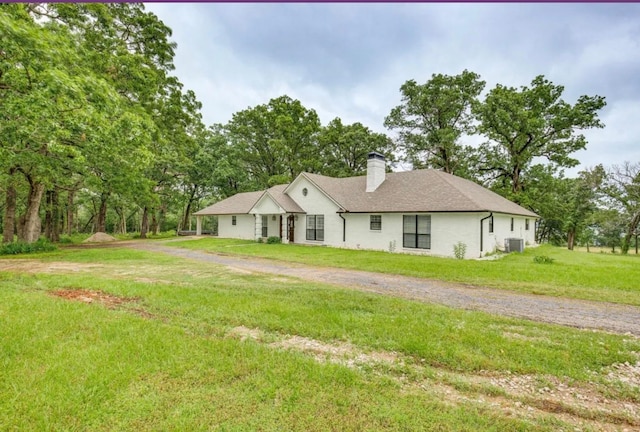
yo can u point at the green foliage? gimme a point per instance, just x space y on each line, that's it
532 122
344 148
543 259
432 118
459 250
275 139
274 240
18 248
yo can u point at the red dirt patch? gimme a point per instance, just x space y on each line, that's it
90 296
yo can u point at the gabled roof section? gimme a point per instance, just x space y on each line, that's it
242 203
239 203
415 191
284 200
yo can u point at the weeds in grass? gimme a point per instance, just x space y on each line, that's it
543 259
17 248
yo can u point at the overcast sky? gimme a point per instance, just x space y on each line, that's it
349 60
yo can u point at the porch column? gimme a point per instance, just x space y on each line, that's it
258 225
198 225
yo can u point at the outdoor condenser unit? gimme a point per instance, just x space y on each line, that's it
513 245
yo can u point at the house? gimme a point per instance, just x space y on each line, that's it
422 211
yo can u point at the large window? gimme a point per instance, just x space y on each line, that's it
315 227
375 222
416 231
265 225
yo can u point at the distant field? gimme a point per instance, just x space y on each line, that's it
119 339
573 274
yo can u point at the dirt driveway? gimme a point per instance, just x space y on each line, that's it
575 313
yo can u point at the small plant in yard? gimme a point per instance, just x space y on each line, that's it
274 240
459 250
543 259
259 240
17 248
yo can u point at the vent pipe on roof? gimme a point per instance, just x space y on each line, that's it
376 167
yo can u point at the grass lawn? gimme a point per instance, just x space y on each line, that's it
588 276
193 347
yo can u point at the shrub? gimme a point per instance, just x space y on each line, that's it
259 240
459 250
274 240
42 245
543 259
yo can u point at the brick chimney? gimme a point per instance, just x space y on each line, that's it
376 167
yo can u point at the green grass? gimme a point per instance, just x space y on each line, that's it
588 276
68 365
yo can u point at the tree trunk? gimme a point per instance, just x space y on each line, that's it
153 229
30 223
70 197
101 223
571 238
631 229
52 216
145 223
9 212
187 212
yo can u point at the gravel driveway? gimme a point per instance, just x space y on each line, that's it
575 313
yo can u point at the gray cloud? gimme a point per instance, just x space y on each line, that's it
349 60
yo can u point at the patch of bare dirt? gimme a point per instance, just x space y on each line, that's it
110 301
339 352
89 296
100 237
33 266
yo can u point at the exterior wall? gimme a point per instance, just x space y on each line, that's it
502 231
244 228
447 229
316 203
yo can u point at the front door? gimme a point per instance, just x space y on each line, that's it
290 228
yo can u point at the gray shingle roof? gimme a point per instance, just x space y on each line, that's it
415 191
410 191
239 203
243 202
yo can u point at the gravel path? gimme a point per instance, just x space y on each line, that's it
575 313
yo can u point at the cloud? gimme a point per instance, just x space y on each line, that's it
349 60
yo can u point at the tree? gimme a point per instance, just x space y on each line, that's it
529 123
623 189
433 117
344 148
277 141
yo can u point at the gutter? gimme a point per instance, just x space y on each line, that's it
482 232
344 227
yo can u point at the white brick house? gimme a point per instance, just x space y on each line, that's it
421 211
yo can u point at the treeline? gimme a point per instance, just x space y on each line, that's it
97 135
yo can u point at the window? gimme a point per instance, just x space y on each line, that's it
375 222
511 224
416 231
491 224
526 224
265 224
315 227
233 220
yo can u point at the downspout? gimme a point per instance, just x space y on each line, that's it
482 232
344 227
